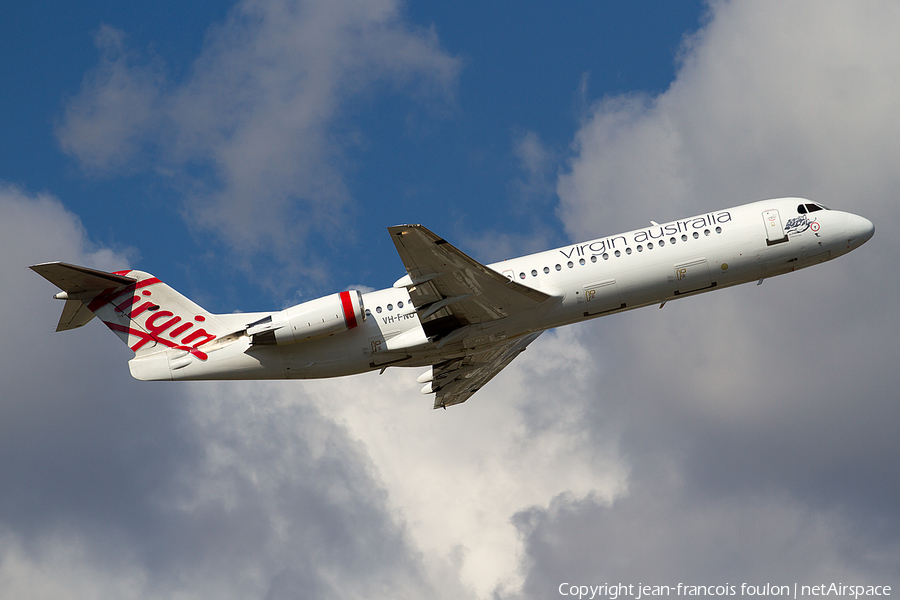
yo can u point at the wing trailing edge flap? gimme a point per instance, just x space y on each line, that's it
454 381
451 290
78 284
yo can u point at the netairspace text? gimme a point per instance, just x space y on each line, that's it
612 591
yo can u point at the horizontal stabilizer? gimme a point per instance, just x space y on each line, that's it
75 314
73 279
77 284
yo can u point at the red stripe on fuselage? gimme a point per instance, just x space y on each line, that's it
349 314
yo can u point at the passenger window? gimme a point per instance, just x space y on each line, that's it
605 256
400 304
706 232
570 264
581 262
683 237
558 267
662 243
378 310
649 245
718 230
546 270
618 254
594 257
696 235
627 250
534 272
390 307
672 240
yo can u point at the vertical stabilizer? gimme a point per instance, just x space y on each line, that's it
146 314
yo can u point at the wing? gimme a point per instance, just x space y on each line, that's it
456 380
451 290
454 296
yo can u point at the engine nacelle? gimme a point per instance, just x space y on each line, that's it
310 320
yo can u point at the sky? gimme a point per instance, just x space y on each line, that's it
251 154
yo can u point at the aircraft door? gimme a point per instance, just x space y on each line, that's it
693 275
601 297
774 228
379 353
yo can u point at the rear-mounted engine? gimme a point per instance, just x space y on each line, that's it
314 319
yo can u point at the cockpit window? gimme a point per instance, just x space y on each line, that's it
809 208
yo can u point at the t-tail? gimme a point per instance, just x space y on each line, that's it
146 314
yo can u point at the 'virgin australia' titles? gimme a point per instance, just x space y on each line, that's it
638 237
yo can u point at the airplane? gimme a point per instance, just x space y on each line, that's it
463 320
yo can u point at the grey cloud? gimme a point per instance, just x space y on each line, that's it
58 429
107 483
758 421
663 534
746 463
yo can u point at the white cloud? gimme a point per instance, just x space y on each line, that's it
458 476
627 157
538 164
117 108
255 133
772 99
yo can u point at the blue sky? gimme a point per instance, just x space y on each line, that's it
447 158
252 154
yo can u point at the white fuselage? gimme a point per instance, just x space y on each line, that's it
651 265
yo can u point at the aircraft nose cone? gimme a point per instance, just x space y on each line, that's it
859 230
